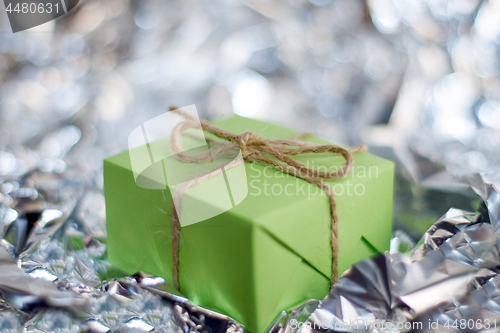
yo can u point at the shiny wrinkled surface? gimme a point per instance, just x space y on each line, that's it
450 281
54 276
415 80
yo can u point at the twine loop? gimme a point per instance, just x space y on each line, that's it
254 149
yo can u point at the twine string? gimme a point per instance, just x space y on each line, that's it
257 150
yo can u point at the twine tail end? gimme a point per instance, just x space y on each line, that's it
176 230
359 149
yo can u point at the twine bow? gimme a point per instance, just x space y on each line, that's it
254 149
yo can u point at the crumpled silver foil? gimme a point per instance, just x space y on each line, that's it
54 276
416 80
449 281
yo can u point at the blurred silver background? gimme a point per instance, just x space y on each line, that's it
415 80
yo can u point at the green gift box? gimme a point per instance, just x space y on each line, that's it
269 252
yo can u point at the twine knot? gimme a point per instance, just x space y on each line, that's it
254 149
246 139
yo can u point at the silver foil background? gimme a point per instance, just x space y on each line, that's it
415 80
449 282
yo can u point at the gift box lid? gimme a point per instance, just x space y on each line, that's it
270 213
297 224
